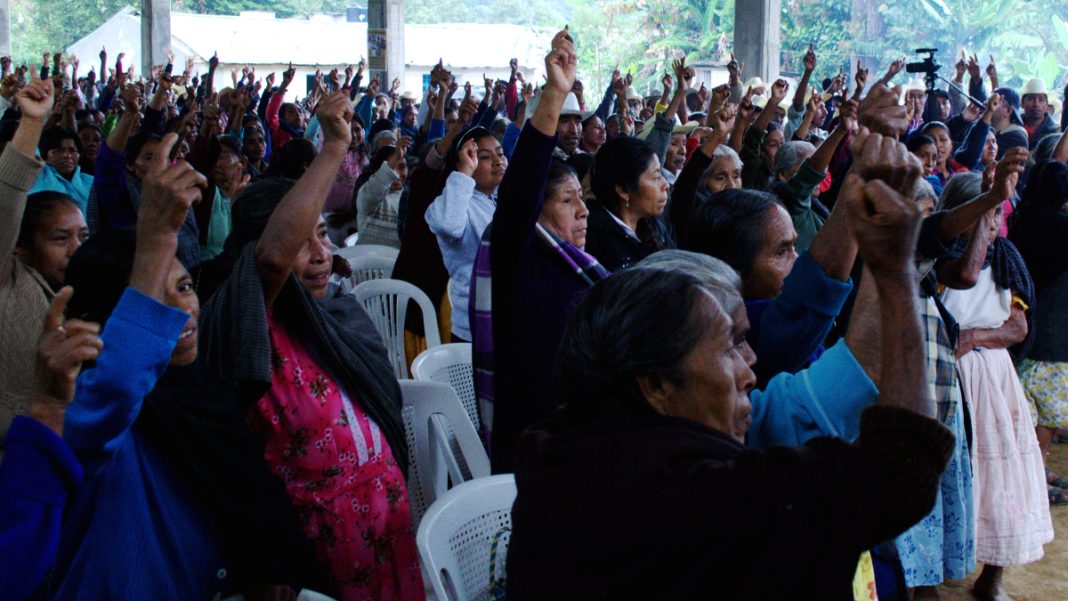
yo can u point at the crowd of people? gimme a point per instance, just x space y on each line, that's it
730 341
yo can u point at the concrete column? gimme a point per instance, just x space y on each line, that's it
155 33
385 41
757 31
5 28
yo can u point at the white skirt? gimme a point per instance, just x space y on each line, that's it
1011 505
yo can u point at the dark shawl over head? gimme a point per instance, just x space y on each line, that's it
192 419
1040 223
236 345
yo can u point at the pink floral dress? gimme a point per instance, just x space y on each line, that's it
340 474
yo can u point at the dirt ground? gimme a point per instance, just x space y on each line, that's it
1046 580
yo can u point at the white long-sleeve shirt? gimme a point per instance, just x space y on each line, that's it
458 218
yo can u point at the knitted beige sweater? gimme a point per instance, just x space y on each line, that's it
24 294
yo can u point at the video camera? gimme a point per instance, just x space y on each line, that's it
928 66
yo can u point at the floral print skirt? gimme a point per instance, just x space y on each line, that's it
1046 385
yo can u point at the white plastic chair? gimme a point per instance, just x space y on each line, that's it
457 533
350 253
450 364
443 444
386 302
371 267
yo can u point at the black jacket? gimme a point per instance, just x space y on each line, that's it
613 247
656 507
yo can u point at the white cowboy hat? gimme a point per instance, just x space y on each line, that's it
633 94
678 129
409 95
1034 86
571 106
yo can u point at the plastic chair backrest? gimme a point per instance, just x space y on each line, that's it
443 444
386 303
371 267
366 250
457 533
450 364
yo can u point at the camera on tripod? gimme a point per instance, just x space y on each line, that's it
928 66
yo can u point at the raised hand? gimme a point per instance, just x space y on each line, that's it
810 59
394 86
720 94
993 103
528 93
734 69
467 159
847 114
288 75
973 68
666 82
961 66
992 73
895 68
335 119
746 110
169 191
814 102
577 89
971 112
722 121
879 157
1008 171
349 72
103 54
681 70
63 347
881 113
778 90
467 90
270 79
561 64
36 99
468 109
861 79
131 97
878 195
213 62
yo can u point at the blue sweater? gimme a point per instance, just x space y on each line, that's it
37 475
133 530
824 400
788 331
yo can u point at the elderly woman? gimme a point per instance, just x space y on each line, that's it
656 384
529 271
990 300
308 360
631 193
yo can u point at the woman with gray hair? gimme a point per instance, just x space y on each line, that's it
657 388
990 294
